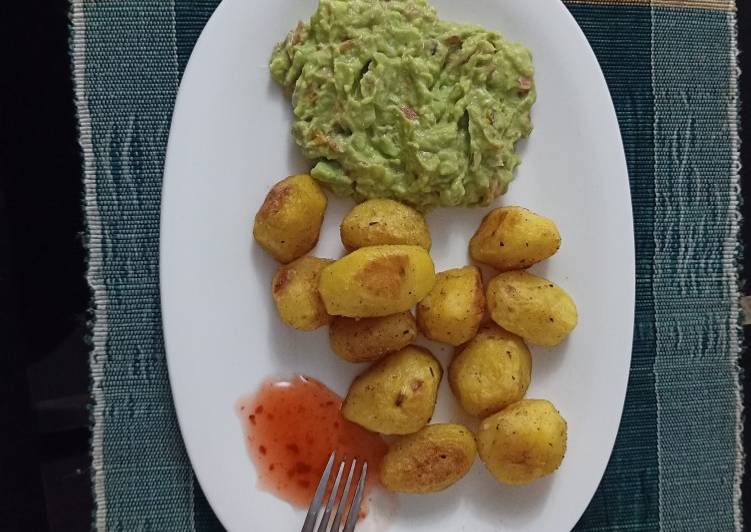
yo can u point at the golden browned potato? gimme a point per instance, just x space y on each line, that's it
536 309
512 238
288 222
491 372
454 308
429 460
397 395
523 442
368 339
383 221
377 281
295 292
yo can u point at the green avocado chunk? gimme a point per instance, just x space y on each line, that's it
390 102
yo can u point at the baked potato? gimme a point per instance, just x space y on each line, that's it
368 339
289 221
453 309
492 371
536 309
397 395
429 460
512 238
377 281
295 292
383 221
523 442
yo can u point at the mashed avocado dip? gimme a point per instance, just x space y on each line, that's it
391 102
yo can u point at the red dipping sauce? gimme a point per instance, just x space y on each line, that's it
292 426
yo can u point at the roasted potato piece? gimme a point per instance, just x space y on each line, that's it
523 442
511 238
452 311
295 292
492 371
383 221
429 460
397 395
368 339
288 222
536 309
377 281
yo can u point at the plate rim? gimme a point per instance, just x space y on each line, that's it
630 241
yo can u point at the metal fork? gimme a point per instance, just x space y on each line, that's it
333 501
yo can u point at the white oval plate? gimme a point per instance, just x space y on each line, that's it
230 142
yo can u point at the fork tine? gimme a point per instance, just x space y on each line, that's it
332 497
354 509
343 499
315 505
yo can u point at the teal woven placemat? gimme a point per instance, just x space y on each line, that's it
671 68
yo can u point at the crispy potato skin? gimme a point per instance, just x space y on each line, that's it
295 292
523 442
430 460
377 281
512 238
368 339
289 221
454 308
397 395
536 309
383 221
491 372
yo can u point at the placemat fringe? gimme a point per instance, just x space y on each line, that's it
733 268
95 265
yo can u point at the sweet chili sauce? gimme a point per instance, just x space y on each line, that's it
291 427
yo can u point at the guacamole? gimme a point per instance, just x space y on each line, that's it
390 102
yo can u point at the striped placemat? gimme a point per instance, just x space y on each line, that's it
671 68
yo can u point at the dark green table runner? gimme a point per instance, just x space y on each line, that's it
671 69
